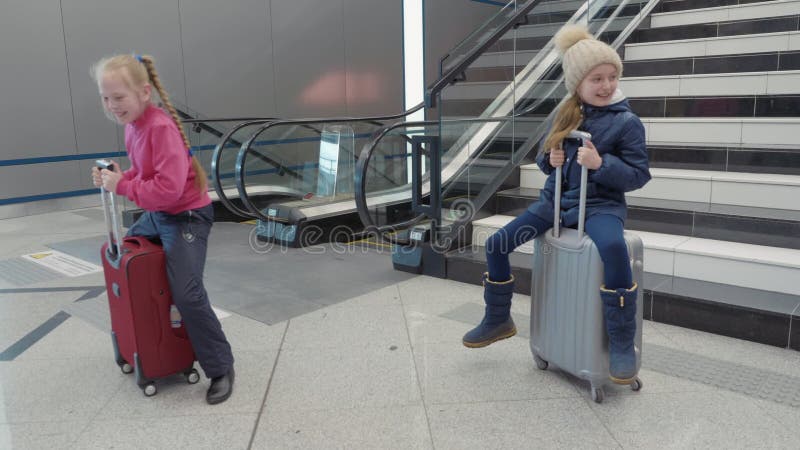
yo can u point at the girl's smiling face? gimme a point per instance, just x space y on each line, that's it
123 102
599 85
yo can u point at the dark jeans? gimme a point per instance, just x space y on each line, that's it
184 237
604 229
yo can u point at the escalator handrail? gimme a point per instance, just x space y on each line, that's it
215 163
369 148
217 156
385 232
246 148
454 74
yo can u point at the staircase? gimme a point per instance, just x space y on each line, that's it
718 90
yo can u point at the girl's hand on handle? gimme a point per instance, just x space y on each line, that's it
110 179
556 157
588 156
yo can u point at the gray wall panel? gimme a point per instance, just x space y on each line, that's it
298 58
36 115
446 24
308 40
41 179
374 56
228 57
98 28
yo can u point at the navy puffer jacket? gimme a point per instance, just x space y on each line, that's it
618 135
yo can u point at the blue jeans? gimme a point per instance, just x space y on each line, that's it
184 237
604 229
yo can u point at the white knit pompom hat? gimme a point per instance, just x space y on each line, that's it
582 53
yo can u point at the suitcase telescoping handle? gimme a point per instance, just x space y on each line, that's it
583 136
110 213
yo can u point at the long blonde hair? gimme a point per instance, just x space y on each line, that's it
138 71
568 118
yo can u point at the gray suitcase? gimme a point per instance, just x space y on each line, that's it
567 324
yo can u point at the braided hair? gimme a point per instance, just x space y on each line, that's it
141 69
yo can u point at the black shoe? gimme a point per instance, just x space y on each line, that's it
221 388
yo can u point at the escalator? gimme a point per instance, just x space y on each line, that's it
493 98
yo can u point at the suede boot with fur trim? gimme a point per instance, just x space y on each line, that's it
497 323
619 309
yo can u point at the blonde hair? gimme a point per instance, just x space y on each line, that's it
568 118
138 71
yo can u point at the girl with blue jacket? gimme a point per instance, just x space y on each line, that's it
617 161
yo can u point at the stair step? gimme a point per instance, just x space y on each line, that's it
778 132
704 85
684 5
747 11
765 61
726 188
749 225
714 29
746 265
751 43
709 85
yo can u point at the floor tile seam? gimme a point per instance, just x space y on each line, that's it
41 422
34 234
414 404
594 408
511 400
374 345
420 390
171 415
295 350
97 413
269 384
33 359
341 306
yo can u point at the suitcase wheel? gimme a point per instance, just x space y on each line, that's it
126 368
637 384
192 376
540 363
597 394
149 390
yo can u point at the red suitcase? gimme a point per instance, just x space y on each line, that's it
145 341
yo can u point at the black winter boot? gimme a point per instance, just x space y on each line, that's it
497 323
619 309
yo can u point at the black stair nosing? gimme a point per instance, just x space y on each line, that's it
715 209
688 5
503 73
777 61
744 106
717 225
716 29
478 107
536 17
536 44
763 327
765 160
688 306
780 161
783 105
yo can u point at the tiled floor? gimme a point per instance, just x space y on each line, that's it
382 369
